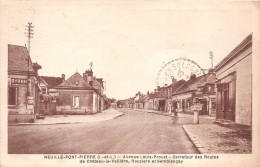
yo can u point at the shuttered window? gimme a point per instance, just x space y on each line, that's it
75 101
12 96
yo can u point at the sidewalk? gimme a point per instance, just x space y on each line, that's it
69 119
213 138
219 138
180 115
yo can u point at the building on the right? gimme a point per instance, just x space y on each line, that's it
234 84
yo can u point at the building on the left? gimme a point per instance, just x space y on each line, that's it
23 85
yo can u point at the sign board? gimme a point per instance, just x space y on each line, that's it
196 107
18 81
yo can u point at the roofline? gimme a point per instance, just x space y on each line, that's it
50 76
17 72
183 92
74 88
245 43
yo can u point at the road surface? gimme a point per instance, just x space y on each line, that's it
133 133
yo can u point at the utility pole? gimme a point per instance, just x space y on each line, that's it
29 34
211 57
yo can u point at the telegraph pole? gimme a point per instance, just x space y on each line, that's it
29 34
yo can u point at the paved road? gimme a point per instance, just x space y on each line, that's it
134 133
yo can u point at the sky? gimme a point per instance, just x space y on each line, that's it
127 41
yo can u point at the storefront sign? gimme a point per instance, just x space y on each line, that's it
18 81
196 107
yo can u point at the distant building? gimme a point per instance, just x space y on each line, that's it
23 85
170 103
199 89
234 84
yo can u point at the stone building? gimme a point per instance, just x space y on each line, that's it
234 84
23 85
80 95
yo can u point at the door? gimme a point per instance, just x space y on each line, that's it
226 104
204 109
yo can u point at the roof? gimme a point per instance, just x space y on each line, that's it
96 83
18 58
130 100
76 81
191 84
52 81
142 98
161 93
100 80
246 42
177 85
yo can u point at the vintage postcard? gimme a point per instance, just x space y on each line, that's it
129 83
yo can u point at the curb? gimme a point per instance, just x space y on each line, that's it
171 115
153 112
195 141
119 116
25 124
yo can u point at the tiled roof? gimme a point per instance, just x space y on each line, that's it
245 42
142 98
192 84
100 80
96 83
18 58
177 85
52 81
75 81
161 93
130 100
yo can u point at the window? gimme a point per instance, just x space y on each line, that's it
44 90
76 101
12 96
213 106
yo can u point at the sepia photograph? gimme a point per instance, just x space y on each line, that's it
129 82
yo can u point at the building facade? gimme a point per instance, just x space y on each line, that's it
200 90
80 95
23 85
234 84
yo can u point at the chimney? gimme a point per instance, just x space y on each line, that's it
158 87
87 76
173 80
192 76
63 77
210 71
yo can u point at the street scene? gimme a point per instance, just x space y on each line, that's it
129 80
134 132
